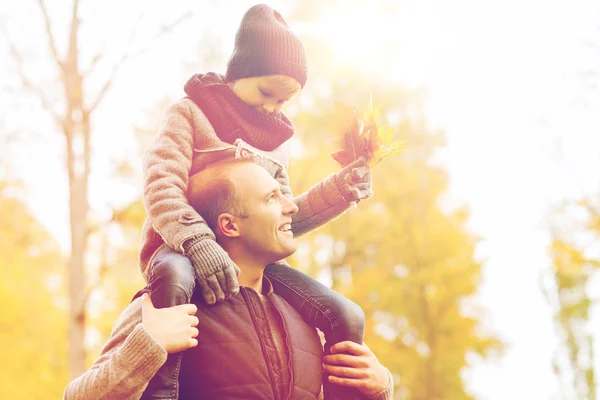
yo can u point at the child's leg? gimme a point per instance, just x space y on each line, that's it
337 317
172 282
172 279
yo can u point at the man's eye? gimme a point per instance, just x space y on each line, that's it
266 94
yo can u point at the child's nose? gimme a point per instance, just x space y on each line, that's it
269 108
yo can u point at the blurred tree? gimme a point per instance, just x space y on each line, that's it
409 264
116 285
574 227
575 259
405 255
71 108
33 336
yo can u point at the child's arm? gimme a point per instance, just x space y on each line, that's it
136 349
329 198
167 164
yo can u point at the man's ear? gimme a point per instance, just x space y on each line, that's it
227 225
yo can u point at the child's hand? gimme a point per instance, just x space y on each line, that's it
354 365
174 328
354 181
215 271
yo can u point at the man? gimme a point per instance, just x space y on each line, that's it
253 346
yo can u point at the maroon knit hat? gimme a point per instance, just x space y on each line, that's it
265 45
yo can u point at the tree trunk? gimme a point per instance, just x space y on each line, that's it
77 129
78 215
74 121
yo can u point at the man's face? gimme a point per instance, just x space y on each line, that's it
266 93
266 230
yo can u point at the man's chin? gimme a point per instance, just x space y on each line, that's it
287 251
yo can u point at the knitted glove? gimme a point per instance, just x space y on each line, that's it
215 271
354 181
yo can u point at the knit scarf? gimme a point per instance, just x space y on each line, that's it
233 119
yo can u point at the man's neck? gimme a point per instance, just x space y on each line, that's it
251 275
251 280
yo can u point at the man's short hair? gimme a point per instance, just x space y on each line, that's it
212 193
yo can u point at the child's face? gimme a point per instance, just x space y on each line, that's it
266 93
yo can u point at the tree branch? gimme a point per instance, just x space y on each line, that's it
95 60
73 50
100 55
27 84
166 29
51 42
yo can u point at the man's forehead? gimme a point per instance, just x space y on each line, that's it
251 178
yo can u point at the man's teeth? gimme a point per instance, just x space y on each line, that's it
286 227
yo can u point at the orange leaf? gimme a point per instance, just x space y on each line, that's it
360 135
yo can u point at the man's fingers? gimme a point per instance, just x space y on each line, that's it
147 303
189 309
345 372
194 332
193 320
193 342
353 383
344 360
214 285
207 293
348 347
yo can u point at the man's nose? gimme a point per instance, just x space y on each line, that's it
289 207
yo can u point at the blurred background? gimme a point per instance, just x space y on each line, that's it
475 261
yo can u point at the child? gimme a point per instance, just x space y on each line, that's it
239 115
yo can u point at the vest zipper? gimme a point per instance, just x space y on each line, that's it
260 338
288 347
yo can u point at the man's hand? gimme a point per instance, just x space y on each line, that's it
174 328
354 181
216 272
354 365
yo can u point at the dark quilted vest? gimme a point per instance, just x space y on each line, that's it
236 356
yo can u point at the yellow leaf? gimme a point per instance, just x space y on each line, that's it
386 151
361 135
372 114
386 135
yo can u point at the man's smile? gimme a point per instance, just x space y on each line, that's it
286 228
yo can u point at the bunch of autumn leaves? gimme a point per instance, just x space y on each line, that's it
359 134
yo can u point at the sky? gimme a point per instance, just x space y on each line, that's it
506 80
